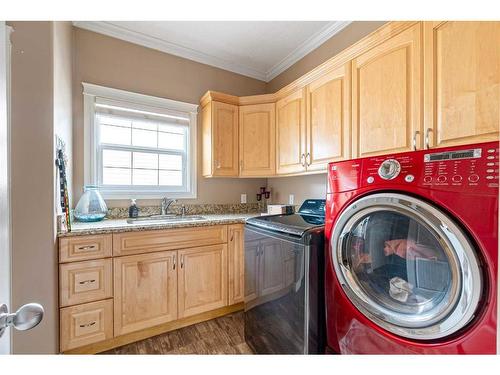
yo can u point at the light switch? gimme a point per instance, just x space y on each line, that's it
243 198
291 199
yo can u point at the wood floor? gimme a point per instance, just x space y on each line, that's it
223 335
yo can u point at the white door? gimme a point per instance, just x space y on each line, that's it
29 315
4 191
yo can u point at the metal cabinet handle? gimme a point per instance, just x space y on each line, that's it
88 247
217 164
308 157
303 160
87 282
427 138
182 261
88 324
174 260
415 140
241 165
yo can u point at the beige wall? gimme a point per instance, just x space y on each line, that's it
302 187
34 260
313 186
111 62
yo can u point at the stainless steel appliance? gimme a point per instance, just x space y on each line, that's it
284 295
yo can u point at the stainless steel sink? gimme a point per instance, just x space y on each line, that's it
156 219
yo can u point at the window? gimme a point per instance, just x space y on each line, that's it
139 146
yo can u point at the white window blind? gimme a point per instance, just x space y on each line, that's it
141 149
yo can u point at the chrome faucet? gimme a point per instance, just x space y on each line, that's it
165 204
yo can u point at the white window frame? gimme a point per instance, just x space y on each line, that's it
93 93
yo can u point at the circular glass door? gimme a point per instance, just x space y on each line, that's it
406 266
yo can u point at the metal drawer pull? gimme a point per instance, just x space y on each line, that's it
174 262
182 261
88 324
88 247
427 138
415 140
303 160
87 282
308 157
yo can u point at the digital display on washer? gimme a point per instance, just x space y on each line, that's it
453 155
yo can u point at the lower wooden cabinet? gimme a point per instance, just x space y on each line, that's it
85 281
236 263
202 279
86 324
111 299
145 291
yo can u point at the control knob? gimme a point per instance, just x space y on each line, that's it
389 169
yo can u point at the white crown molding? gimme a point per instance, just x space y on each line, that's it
308 46
168 47
125 34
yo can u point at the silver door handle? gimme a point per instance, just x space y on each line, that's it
427 138
415 140
308 157
303 160
26 317
174 260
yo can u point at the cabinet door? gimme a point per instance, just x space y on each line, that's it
290 133
145 291
257 132
236 263
272 268
202 279
252 249
462 82
328 118
386 89
225 139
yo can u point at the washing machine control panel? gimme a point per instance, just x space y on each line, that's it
458 168
455 168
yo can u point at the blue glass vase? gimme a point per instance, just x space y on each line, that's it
91 207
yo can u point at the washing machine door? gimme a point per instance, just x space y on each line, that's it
406 266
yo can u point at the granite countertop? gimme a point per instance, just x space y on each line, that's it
121 225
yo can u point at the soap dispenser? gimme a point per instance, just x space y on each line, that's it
133 210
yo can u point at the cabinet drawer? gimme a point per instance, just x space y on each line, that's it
86 324
170 239
85 247
85 281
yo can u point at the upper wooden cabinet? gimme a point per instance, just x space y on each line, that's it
291 133
386 90
257 133
462 82
329 118
220 139
406 86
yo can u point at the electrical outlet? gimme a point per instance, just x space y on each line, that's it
291 199
243 198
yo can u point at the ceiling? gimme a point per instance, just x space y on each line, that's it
257 49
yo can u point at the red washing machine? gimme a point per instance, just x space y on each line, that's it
412 256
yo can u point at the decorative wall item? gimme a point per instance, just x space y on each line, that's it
61 162
263 193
